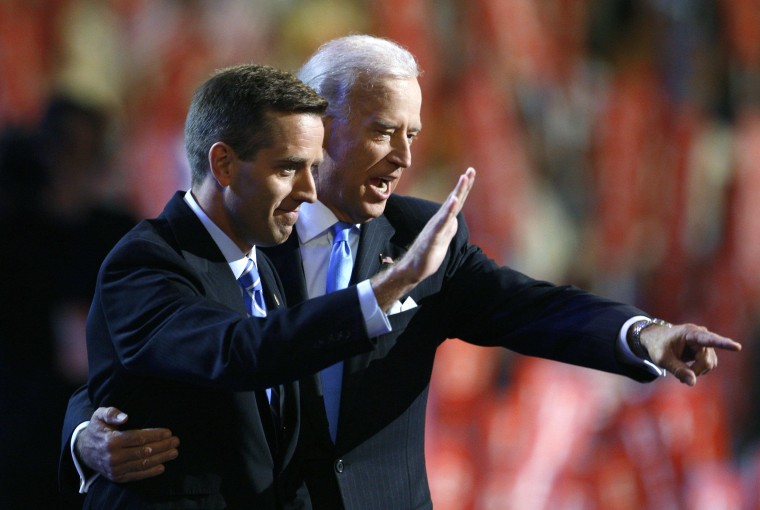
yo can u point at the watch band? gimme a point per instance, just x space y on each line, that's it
636 329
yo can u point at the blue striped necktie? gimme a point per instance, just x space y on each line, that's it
253 293
338 275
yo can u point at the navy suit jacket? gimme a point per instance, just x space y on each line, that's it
170 344
378 460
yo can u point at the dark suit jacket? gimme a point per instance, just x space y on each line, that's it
169 343
378 462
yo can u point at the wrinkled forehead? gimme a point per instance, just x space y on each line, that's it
394 97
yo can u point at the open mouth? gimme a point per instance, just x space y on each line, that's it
381 184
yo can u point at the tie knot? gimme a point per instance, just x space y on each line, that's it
250 274
253 294
341 260
340 231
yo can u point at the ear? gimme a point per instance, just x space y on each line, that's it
327 121
221 160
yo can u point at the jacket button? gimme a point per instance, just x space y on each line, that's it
339 466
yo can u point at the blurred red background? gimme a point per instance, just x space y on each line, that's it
617 145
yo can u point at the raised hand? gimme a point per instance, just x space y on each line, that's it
428 250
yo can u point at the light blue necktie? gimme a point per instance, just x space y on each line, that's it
253 293
338 276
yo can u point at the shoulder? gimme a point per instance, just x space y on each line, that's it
176 229
151 239
410 208
152 231
406 213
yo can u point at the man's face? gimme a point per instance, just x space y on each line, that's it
264 195
367 152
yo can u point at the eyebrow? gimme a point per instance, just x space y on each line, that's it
389 125
295 160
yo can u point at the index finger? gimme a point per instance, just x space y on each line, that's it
702 338
463 187
142 437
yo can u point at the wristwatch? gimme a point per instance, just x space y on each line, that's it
636 329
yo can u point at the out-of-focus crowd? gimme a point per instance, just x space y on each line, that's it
618 149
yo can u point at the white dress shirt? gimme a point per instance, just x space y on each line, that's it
315 241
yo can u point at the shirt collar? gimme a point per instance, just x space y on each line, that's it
234 256
314 220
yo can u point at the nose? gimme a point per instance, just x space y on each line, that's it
304 189
401 152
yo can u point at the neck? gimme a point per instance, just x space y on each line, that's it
210 200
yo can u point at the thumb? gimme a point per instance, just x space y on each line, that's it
110 415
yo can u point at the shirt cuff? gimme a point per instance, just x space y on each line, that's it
629 357
375 320
84 482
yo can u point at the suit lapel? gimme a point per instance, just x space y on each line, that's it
288 405
201 252
286 259
217 276
269 282
373 244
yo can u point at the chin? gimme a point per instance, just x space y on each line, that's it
282 235
277 236
374 210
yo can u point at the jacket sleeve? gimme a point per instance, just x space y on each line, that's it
154 316
494 305
78 411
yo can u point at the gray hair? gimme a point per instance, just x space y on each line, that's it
339 65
